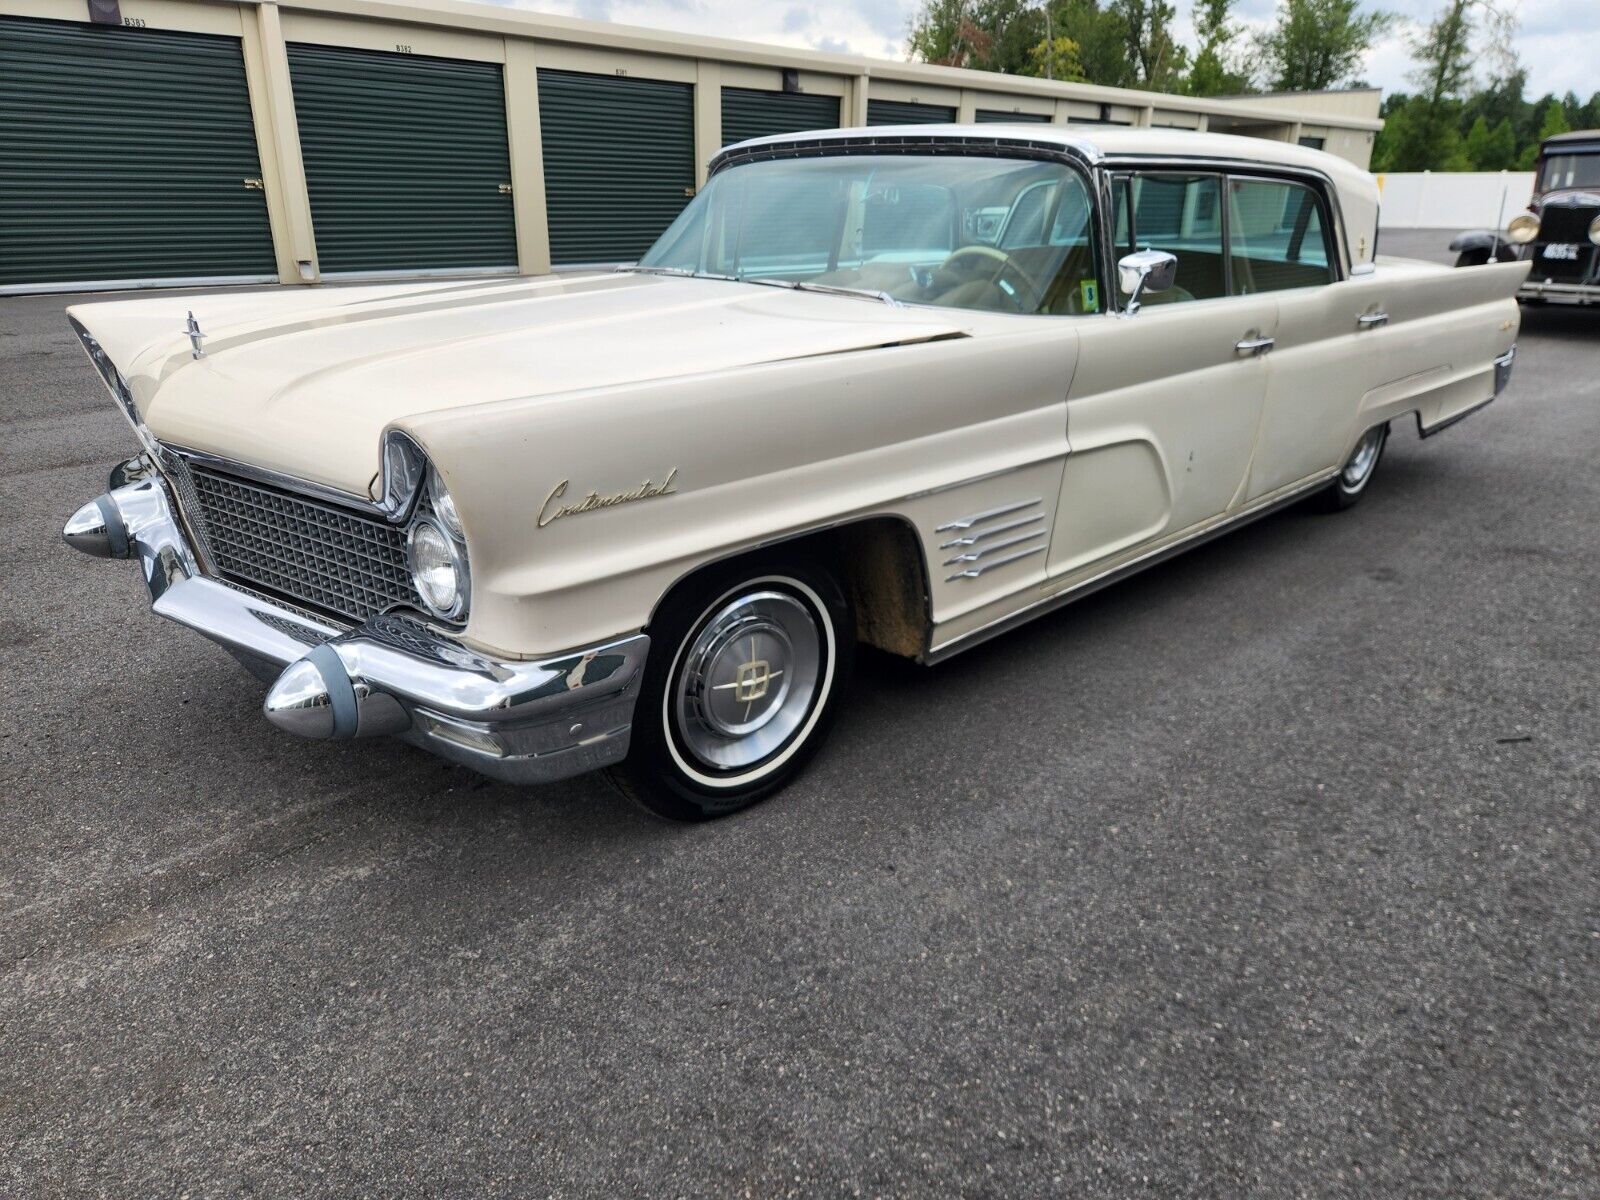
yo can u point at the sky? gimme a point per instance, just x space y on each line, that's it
1558 41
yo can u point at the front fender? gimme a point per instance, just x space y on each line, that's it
1479 239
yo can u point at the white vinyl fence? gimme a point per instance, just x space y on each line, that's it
1453 199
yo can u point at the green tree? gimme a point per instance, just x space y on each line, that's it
1491 149
1431 139
1011 36
1555 121
1056 58
1215 71
1101 38
1317 44
989 35
1157 59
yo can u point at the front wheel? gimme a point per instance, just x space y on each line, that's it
1357 472
746 670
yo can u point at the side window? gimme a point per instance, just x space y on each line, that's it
1276 237
1181 214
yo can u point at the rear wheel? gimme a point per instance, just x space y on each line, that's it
746 670
1352 479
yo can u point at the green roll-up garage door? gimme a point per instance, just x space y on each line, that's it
618 162
124 155
898 112
406 160
748 113
994 116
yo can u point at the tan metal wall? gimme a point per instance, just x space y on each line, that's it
523 42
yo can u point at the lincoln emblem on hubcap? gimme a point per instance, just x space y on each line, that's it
751 680
748 678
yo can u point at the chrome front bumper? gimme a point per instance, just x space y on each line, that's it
1560 293
523 722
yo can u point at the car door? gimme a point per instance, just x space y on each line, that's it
1327 353
1164 407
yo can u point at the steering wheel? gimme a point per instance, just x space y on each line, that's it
995 265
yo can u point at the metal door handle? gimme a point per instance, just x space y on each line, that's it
1372 320
1255 345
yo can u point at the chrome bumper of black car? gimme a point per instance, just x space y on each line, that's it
1560 293
523 722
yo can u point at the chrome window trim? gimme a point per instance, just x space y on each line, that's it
1321 182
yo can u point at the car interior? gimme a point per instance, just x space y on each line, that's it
1000 235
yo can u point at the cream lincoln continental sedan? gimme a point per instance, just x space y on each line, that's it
902 386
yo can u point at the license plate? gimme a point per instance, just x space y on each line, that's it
1566 250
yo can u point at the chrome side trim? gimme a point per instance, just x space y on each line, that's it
129 285
986 515
979 530
1004 624
982 535
984 551
974 572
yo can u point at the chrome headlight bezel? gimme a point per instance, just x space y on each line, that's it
429 527
444 506
1522 228
1594 231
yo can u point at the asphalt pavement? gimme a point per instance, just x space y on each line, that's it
1273 872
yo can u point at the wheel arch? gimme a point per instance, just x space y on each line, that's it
880 562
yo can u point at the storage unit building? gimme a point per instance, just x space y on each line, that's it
749 113
405 160
127 157
618 162
905 112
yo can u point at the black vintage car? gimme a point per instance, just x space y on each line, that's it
1560 232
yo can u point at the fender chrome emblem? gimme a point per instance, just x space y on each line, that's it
551 510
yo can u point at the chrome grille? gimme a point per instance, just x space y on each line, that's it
328 558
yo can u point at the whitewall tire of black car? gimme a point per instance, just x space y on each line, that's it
746 670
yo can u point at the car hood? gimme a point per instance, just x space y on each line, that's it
305 381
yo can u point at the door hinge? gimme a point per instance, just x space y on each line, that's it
505 189
255 185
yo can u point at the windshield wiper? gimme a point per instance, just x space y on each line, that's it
795 285
675 272
830 289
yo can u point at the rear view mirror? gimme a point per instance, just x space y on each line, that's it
1146 271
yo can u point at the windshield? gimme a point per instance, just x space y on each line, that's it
1003 235
1569 171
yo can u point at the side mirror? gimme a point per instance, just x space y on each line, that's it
1146 271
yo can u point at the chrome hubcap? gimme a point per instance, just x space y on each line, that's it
748 679
1363 459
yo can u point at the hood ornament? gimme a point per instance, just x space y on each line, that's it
192 328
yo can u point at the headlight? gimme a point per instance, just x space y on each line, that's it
438 568
1594 231
445 508
1523 229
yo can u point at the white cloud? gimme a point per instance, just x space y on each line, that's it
1558 42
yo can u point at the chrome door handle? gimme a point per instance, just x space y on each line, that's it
1372 320
1255 345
